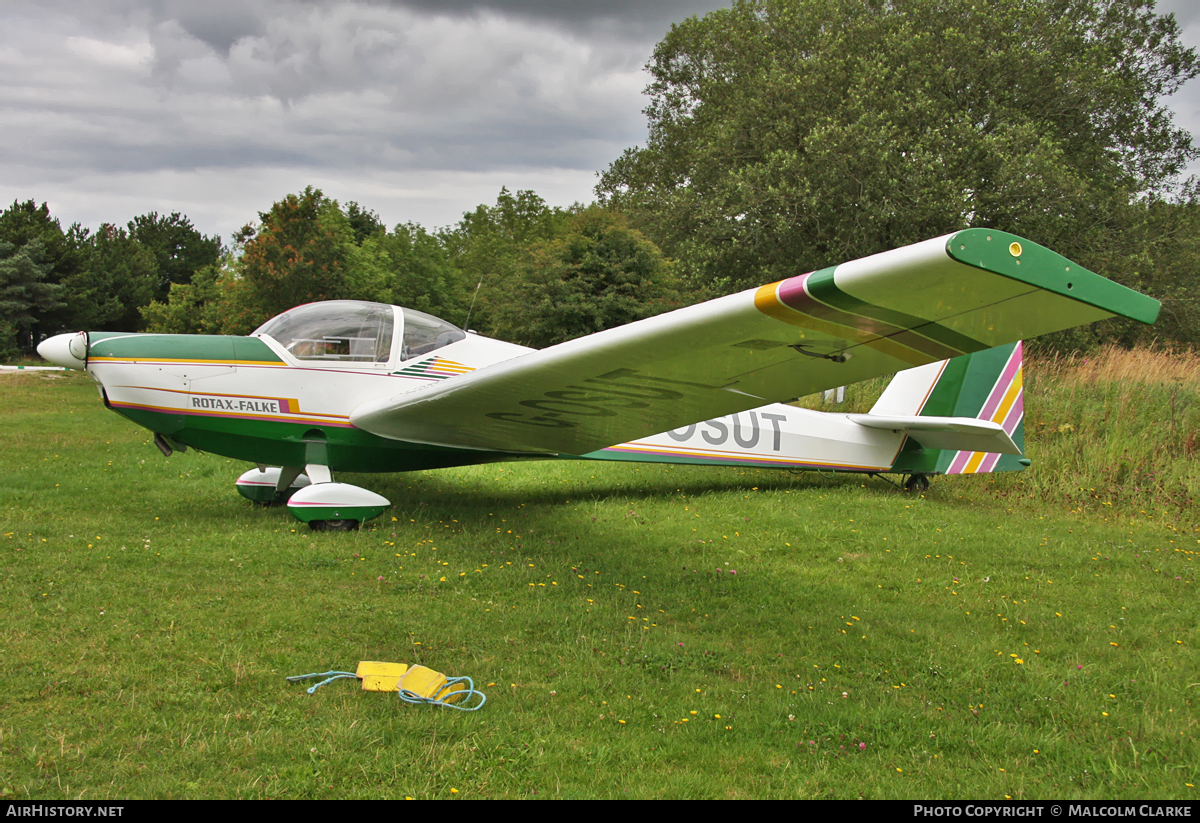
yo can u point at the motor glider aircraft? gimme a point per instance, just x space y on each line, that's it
352 386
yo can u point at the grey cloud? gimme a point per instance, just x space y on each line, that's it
217 24
131 97
345 85
648 19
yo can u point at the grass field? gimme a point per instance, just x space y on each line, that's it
639 631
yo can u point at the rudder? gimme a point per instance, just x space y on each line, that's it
986 385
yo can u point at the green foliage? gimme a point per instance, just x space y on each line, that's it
1166 265
515 219
118 278
363 222
419 273
216 301
104 280
597 275
179 249
308 248
24 294
62 256
298 255
1157 252
786 136
26 222
487 245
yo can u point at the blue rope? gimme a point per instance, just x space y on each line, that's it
467 694
405 694
336 676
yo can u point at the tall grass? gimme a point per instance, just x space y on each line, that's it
1112 430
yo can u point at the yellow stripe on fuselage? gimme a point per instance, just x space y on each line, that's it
188 361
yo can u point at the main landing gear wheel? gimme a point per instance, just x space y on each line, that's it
917 483
333 525
262 486
335 507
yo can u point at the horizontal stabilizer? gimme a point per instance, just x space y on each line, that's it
952 433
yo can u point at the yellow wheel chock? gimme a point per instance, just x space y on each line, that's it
413 684
380 677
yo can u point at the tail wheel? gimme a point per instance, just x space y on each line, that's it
917 483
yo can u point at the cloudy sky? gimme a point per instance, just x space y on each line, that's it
418 109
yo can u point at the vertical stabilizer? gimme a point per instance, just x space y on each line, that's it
986 385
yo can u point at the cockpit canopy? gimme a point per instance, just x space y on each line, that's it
338 330
355 331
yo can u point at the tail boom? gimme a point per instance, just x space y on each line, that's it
959 416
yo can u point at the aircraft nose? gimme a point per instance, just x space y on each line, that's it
67 350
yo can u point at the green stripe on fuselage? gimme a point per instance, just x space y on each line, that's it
194 347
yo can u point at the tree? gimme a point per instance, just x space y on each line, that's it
787 135
307 249
363 222
179 249
24 294
216 301
487 244
117 279
297 256
598 275
1160 255
418 272
23 223
60 255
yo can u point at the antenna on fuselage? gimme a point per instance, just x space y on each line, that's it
473 298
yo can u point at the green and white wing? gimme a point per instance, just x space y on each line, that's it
953 295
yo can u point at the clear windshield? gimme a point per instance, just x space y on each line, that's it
350 331
423 333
